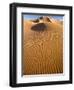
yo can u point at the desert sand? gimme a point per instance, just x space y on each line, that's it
42 46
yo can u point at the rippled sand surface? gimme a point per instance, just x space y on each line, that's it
42 50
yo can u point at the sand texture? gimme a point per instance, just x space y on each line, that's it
42 46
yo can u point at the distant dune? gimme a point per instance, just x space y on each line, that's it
42 46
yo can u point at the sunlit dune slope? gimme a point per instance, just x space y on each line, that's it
42 46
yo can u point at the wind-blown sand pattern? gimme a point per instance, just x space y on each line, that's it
42 46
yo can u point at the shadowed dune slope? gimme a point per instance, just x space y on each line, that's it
39 27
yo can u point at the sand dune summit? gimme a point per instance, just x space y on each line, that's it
42 46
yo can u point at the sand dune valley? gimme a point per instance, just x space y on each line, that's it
42 46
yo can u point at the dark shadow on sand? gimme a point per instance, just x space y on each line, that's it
39 27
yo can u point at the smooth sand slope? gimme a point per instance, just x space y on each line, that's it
42 46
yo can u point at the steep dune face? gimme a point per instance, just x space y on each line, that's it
42 47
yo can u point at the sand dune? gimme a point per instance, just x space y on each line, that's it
42 46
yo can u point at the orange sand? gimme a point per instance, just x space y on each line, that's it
42 50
